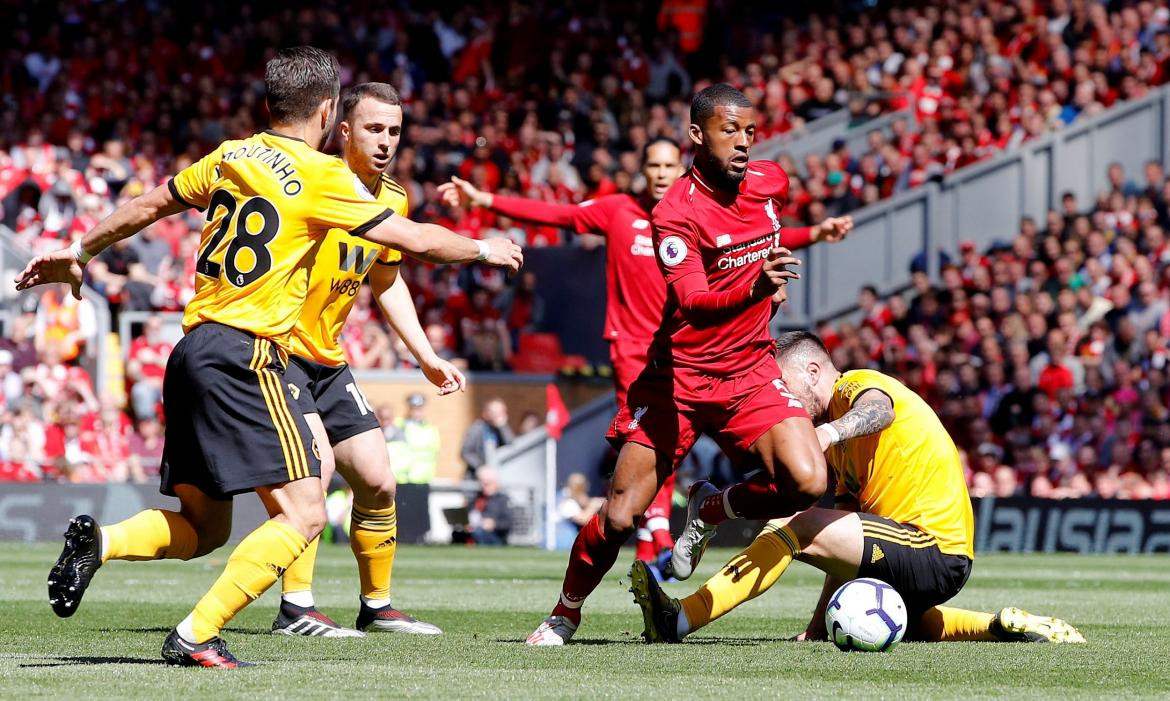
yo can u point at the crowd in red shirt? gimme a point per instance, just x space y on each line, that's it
545 100
1046 356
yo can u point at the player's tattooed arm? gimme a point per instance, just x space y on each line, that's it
872 411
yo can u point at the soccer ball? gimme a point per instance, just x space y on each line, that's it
866 615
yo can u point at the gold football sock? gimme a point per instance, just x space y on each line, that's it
299 575
149 535
946 624
253 567
745 577
373 537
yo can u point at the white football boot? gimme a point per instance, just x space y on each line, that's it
691 545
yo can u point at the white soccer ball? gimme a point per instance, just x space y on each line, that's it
866 615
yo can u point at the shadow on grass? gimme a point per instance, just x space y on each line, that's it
88 660
158 629
640 642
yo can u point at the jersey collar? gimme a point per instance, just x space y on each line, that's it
285 136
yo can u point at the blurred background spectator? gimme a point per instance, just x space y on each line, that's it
486 434
574 509
490 513
413 442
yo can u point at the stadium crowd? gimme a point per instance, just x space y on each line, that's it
1046 355
554 101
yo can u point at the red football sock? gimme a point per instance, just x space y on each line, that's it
591 557
645 549
656 527
755 498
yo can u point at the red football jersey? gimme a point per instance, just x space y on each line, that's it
635 293
711 246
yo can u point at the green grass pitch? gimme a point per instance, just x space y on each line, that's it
488 600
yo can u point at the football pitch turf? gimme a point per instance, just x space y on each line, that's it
488 600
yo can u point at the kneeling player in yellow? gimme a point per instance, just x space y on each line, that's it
903 516
371 126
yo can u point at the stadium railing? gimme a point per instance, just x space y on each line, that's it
523 468
818 136
982 203
13 258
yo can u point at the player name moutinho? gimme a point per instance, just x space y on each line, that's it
275 159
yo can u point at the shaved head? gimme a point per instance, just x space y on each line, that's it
808 370
801 347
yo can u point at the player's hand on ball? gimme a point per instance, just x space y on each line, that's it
775 273
504 253
809 636
834 229
58 266
444 375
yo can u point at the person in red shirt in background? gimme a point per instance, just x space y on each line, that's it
145 368
104 436
709 367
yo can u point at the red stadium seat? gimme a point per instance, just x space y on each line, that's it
538 353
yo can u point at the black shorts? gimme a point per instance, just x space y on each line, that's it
232 423
909 560
334 395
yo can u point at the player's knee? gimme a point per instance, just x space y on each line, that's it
386 492
211 537
309 520
810 480
619 523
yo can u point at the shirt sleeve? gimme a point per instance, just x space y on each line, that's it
192 185
343 202
591 216
857 383
681 263
389 255
796 238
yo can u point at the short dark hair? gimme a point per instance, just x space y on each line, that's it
870 289
654 142
793 343
297 80
718 95
382 92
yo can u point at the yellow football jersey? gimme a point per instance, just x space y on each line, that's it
341 266
909 472
270 200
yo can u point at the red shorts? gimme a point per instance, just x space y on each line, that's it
629 360
668 409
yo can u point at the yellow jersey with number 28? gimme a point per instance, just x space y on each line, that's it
269 202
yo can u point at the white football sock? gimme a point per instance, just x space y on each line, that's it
185 630
682 626
376 603
301 599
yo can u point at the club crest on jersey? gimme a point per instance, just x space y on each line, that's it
770 210
672 251
638 414
361 189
